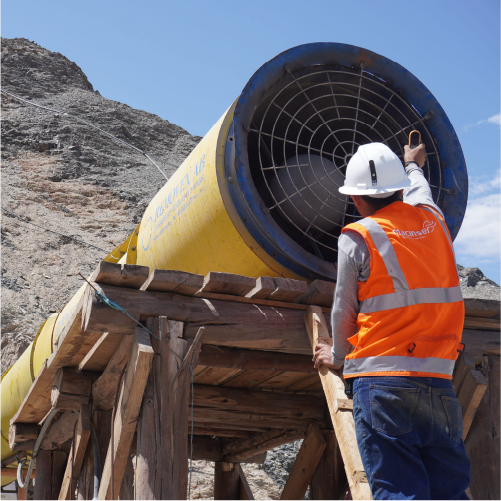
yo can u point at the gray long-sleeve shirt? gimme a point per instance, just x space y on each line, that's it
354 266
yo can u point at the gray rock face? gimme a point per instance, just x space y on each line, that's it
474 284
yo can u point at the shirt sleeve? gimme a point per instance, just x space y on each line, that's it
353 266
419 192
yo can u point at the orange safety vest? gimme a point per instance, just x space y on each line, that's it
412 312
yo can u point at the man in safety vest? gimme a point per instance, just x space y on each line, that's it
398 285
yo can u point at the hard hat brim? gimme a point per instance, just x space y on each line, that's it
350 190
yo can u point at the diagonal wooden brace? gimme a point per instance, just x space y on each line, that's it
344 425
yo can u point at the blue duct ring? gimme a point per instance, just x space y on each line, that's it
249 204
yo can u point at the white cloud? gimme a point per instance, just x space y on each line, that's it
480 235
495 119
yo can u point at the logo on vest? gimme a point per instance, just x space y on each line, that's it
428 227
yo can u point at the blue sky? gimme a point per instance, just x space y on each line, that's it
187 61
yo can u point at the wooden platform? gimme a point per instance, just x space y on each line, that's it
250 369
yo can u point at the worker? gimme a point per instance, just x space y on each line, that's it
398 285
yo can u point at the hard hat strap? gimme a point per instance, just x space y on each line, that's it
372 167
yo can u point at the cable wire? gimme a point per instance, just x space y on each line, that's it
89 124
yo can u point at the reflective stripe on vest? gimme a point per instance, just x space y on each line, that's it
403 296
354 366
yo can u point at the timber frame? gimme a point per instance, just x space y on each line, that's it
240 350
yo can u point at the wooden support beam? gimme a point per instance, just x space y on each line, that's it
77 453
49 474
127 413
465 362
234 358
264 287
227 283
210 431
176 281
226 480
127 488
344 426
71 388
21 493
104 388
488 308
21 432
238 451
482 443
329 479
259 402
306 463
482 323
60 431
470 395
244 489
211 449
120 275
320 293
288 290
228 323
479 343
162 439
98 357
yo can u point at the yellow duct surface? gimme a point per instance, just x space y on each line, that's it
17 380
190 225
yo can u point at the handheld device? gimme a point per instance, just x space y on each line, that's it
414 139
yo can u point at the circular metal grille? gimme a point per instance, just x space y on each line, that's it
304 132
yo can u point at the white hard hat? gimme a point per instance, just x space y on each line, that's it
374 170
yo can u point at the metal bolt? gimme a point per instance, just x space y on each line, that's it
133 248
428 115
288 68
230 179
266 210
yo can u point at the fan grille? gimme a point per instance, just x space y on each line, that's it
303 134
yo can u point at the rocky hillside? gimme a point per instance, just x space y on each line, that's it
62 175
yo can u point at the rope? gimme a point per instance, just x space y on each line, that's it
90 125
24 220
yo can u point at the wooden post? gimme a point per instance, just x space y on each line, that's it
244 489
49 474
162 439
482 443
226 480
77 453
306 463
127 413
329 478
343 422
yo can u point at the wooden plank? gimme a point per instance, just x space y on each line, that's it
482 443
488 308
180 282
343 404
479 342
49 474
226 480
162 441
280 381
127 413
329 479
344 426
244 419
76 455
249 379
320 293
211 449
244 489
217 425
60 431
227 283
127 488
306 463
470 395
305 383
210 431
259 402
288 290
21 432
120 275
234 358
482 323
100 354
13 459
104 388
215 376
464 363
264 287
71 388
237 451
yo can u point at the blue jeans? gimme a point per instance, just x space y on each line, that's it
409 432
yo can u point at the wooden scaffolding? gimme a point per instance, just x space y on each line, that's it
220 369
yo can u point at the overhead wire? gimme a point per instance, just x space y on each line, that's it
89 124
